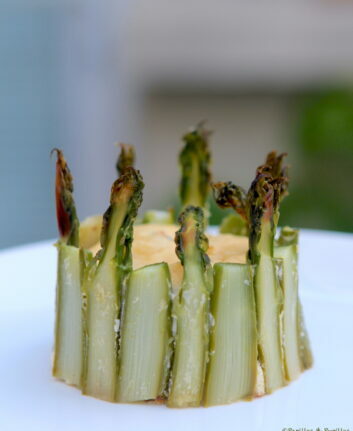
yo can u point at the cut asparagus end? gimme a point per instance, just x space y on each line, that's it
158 217
90 231
232 368
67 364
145 335
191 313
104 283
194 161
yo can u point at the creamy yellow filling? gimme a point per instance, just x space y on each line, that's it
154 243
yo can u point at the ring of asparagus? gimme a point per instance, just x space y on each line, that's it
129 335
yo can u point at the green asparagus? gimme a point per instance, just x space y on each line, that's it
145 348
67 363
293 327
233 346
105 280
267 289
191 312
217 335
259 208
194 160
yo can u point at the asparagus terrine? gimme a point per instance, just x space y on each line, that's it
153 310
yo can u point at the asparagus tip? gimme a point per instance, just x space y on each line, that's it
68 223
126 157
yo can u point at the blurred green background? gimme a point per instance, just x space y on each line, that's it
314 127
322 136
322 197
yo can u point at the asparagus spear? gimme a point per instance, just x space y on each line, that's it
68 223
67 363
126 158
90 228
294 342
260 209
145 335
228 195
232 369
104 283
194 160
268 293
264 196
286 251
191 312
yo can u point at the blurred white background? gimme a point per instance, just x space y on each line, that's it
82 74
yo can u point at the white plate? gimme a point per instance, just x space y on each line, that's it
31 400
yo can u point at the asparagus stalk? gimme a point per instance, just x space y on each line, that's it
104 283
191 312
228 195
90 228
145 335
296 348
67 364
194 160
260 209
287 253
232 369
262 198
